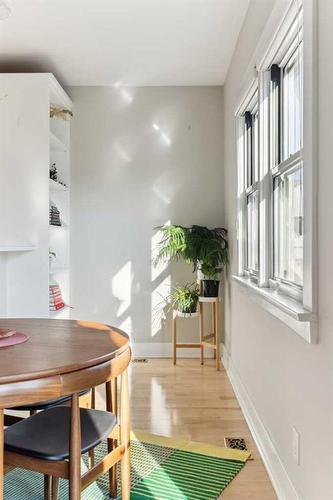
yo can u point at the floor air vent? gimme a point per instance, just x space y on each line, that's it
140 360
235 443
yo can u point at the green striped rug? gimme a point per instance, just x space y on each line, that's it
162 469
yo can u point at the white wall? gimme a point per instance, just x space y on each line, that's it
127 179
288 381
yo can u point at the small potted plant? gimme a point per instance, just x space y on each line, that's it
184 299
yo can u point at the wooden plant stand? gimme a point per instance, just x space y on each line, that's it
211 341
175 344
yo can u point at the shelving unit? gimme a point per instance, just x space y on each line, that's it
59 195
26 192
57 270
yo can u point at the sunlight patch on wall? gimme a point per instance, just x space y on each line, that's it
125 93
121 152
164 137
126 325
166 186
159 305
126 96
161 195
157 268
122 287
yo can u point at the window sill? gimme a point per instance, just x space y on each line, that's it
289 311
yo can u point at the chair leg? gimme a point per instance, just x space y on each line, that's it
125 428
202 353
214 326
55 488
174 337
217 334
91 453
93 398
91 458
47 487
75 451
111 405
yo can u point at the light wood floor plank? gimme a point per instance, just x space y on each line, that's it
199 403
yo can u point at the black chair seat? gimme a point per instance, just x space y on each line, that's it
46 434
43 405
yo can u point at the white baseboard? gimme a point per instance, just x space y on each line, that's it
164 350
275 468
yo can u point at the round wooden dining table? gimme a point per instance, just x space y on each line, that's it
59 358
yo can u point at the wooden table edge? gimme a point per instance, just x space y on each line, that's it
62 370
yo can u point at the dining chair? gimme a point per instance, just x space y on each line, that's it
44 405
52 442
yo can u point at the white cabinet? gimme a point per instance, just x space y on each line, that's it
24 153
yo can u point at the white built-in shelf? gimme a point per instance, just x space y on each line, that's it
17 248
56 186
63 226
58 269
56 145
58 311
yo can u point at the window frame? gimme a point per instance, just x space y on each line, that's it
244 189
280 164
295 307
250 167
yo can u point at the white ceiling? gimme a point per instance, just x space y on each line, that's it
132 42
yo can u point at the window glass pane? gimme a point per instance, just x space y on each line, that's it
275 115
255 127
252 232
292 104
248 148
288 226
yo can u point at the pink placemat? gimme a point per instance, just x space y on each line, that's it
17 338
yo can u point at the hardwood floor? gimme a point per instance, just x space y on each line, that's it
199 403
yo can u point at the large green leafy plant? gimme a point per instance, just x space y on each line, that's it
206 249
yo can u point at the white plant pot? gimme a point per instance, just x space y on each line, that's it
186 315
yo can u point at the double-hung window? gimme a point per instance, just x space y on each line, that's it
286 140
273 222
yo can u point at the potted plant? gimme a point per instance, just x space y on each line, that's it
206 249
184 298
210 247
209 278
